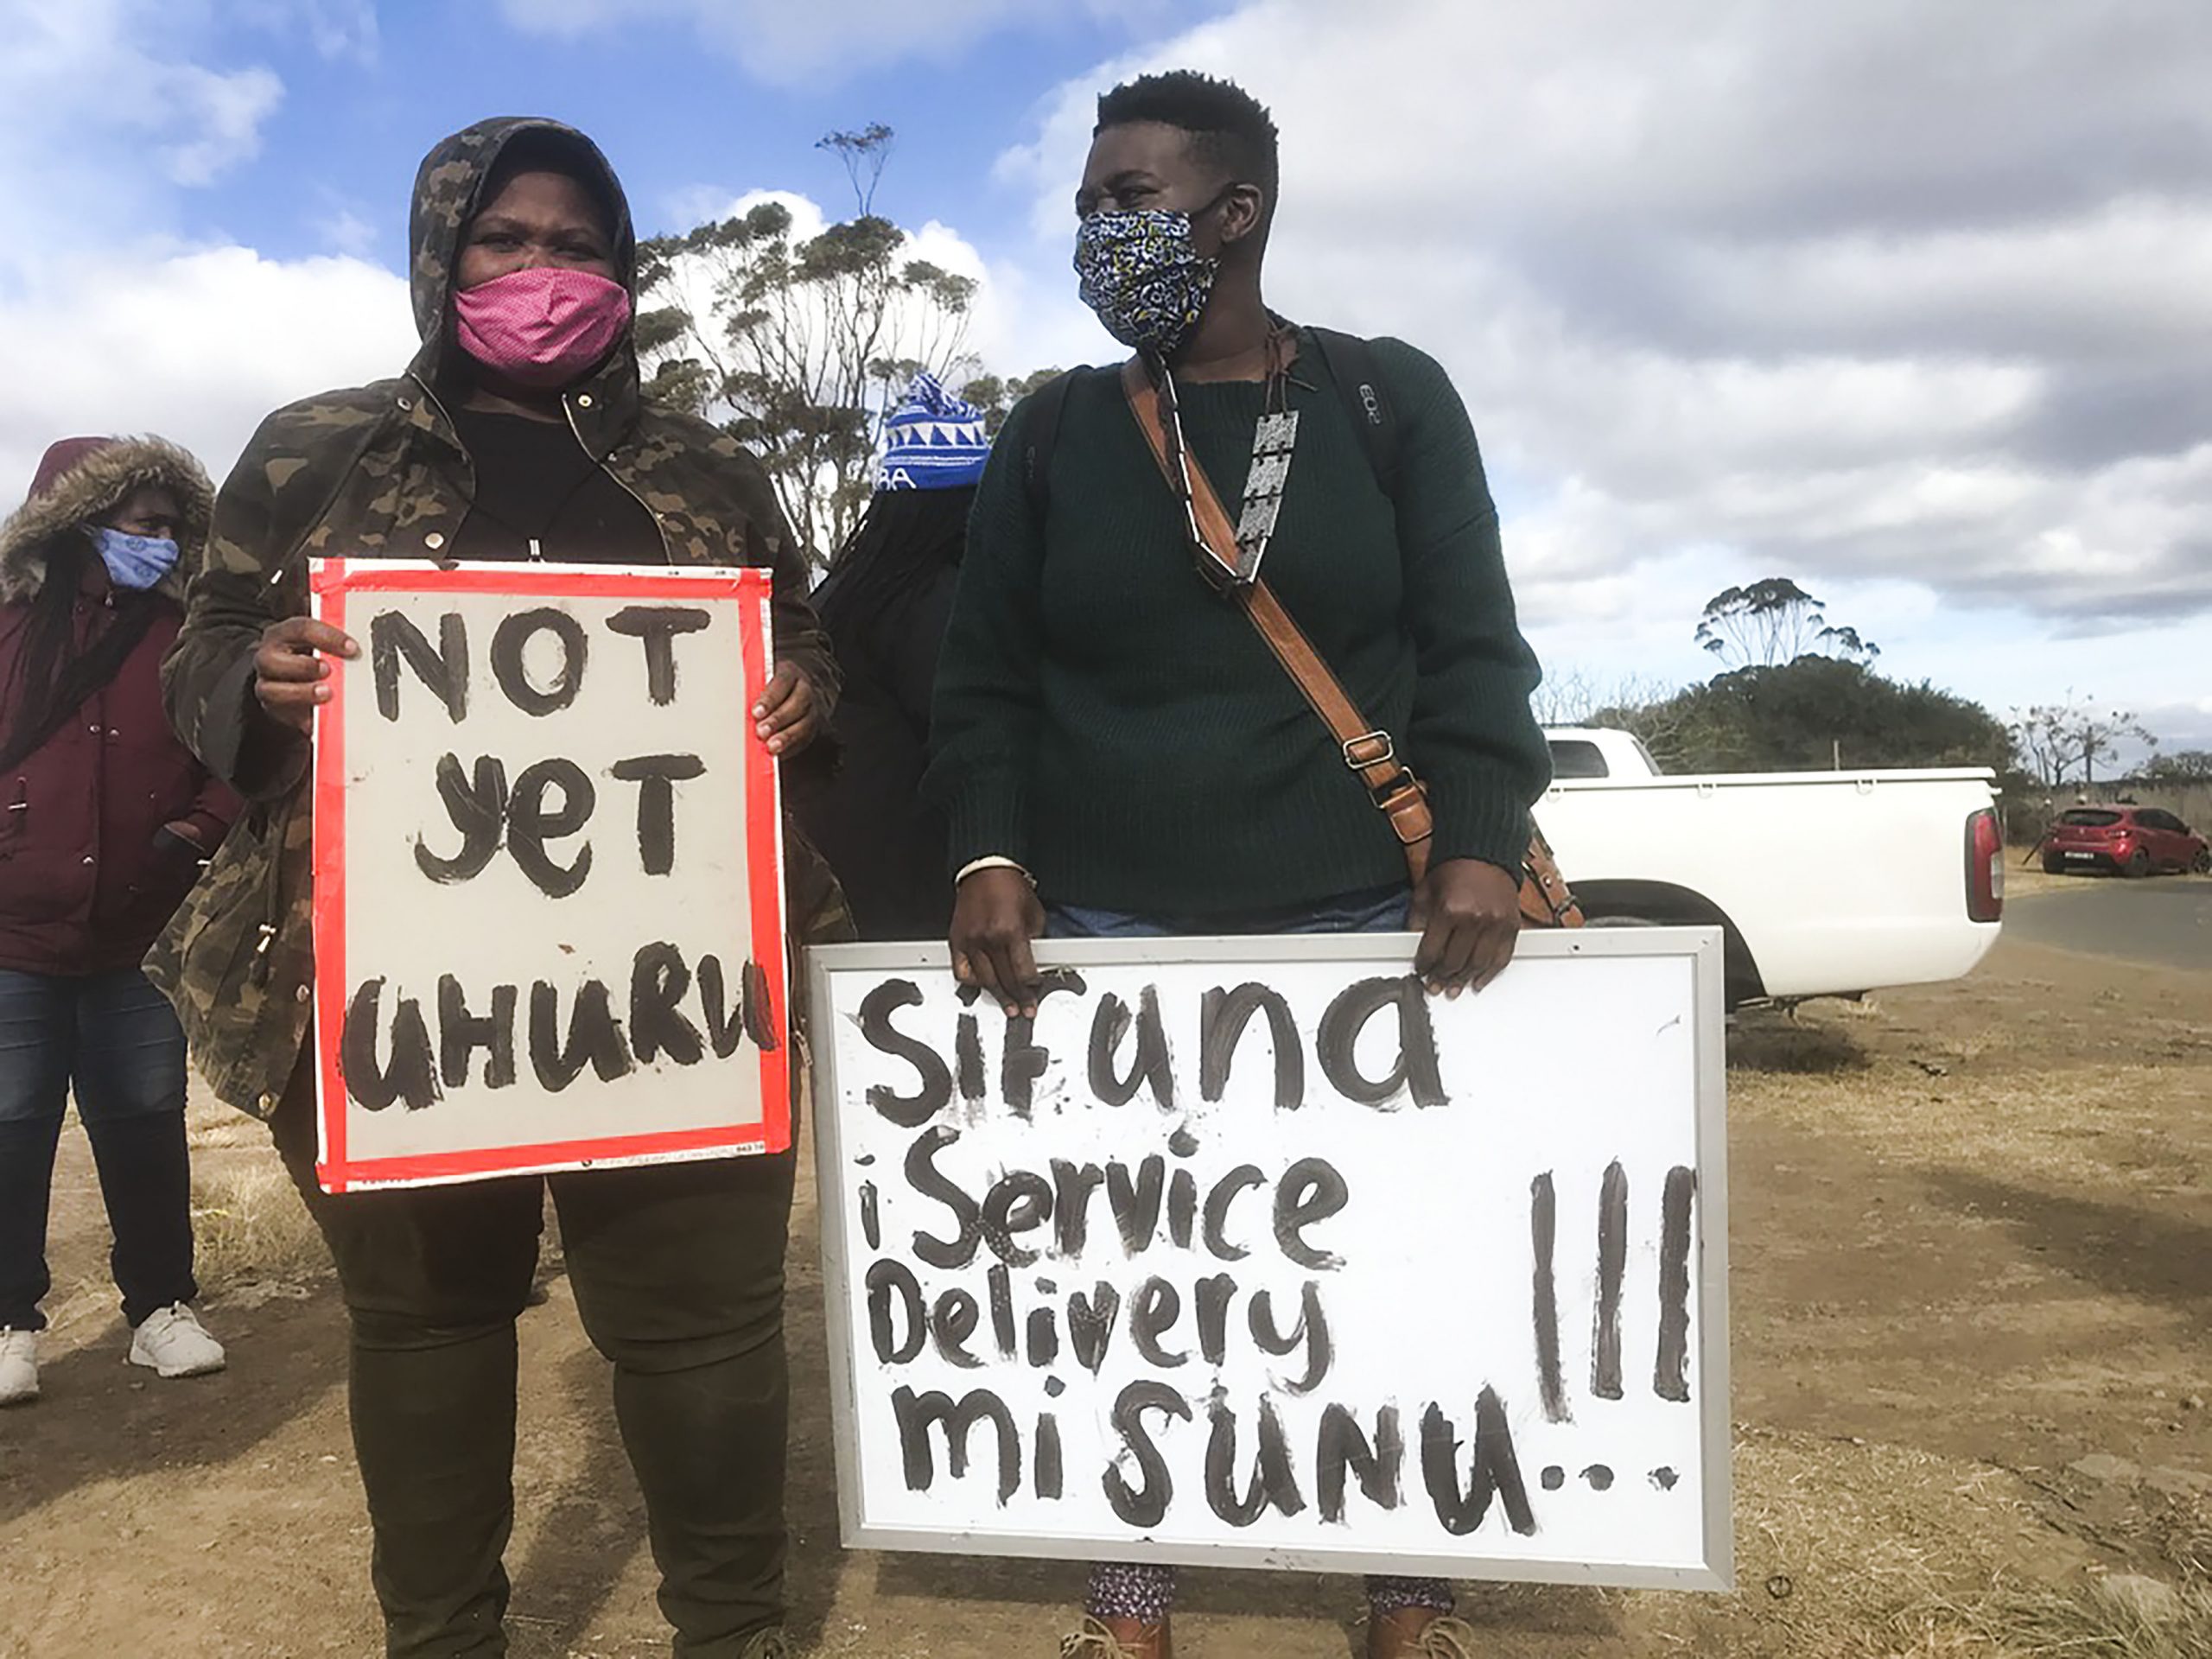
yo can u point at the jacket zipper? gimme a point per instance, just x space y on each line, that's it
272 894
468 459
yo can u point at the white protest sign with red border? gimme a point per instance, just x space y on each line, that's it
549 910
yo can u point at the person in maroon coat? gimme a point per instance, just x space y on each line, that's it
104 821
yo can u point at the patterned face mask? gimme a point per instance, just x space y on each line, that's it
1142 275
134 562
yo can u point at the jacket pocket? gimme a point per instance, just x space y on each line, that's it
210 944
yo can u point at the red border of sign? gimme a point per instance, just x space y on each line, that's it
333 580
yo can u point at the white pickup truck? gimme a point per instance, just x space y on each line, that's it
1825 883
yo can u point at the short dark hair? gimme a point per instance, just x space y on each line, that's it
1230 128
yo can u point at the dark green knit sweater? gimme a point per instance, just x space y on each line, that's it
1103 717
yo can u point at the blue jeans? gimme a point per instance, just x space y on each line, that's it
114 1040
1381 910
1145 1592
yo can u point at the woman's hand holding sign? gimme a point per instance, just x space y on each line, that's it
994 916
290 676
1468 914
789 714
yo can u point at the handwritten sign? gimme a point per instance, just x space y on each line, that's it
548 900
1249 1252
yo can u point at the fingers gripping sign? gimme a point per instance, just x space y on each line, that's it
1468 914
292 668
788 717
996 915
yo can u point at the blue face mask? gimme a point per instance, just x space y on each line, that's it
134 562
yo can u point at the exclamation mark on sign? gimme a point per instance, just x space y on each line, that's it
1670 1368
1670 1377
1612 1265
1543 1229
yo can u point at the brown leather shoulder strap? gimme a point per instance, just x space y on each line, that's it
1367 749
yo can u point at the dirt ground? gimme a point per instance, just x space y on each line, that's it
1972 1249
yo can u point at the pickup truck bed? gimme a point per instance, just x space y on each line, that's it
1825 883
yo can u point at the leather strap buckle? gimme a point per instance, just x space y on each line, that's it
1370 749
1400 787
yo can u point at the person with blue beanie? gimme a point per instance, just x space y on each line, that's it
885 604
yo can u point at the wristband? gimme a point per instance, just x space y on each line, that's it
993 862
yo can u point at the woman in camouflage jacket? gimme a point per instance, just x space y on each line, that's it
676 1270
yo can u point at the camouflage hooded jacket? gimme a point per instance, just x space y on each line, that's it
379 471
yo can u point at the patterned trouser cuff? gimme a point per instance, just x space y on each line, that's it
1145 1592
1129 1590
1395 1595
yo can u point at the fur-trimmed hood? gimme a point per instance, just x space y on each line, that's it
90 486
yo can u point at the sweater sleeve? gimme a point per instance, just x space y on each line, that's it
1472 738
985 711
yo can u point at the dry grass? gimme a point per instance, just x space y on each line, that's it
2086 1092
2120 1616
1881 1552
251 1227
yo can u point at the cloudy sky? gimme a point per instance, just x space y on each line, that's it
1911 301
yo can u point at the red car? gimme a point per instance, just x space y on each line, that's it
2132 840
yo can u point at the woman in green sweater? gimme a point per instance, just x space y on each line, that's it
1118 752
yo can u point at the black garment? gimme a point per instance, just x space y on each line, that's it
534 480
678 1274
885 843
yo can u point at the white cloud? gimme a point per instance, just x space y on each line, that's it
110 111
777 41
335 28
1871 294
226 112
197 346
346 230
90 89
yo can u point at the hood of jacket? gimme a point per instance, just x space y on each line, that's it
450 190
88 487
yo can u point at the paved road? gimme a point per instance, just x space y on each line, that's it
2166 921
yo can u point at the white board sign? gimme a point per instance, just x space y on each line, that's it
547 894
1249 1253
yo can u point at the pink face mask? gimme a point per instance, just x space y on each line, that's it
543 327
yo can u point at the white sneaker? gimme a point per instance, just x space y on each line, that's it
172 1343
18 1367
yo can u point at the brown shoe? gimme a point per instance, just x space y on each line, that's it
1122 1638
1420 1633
